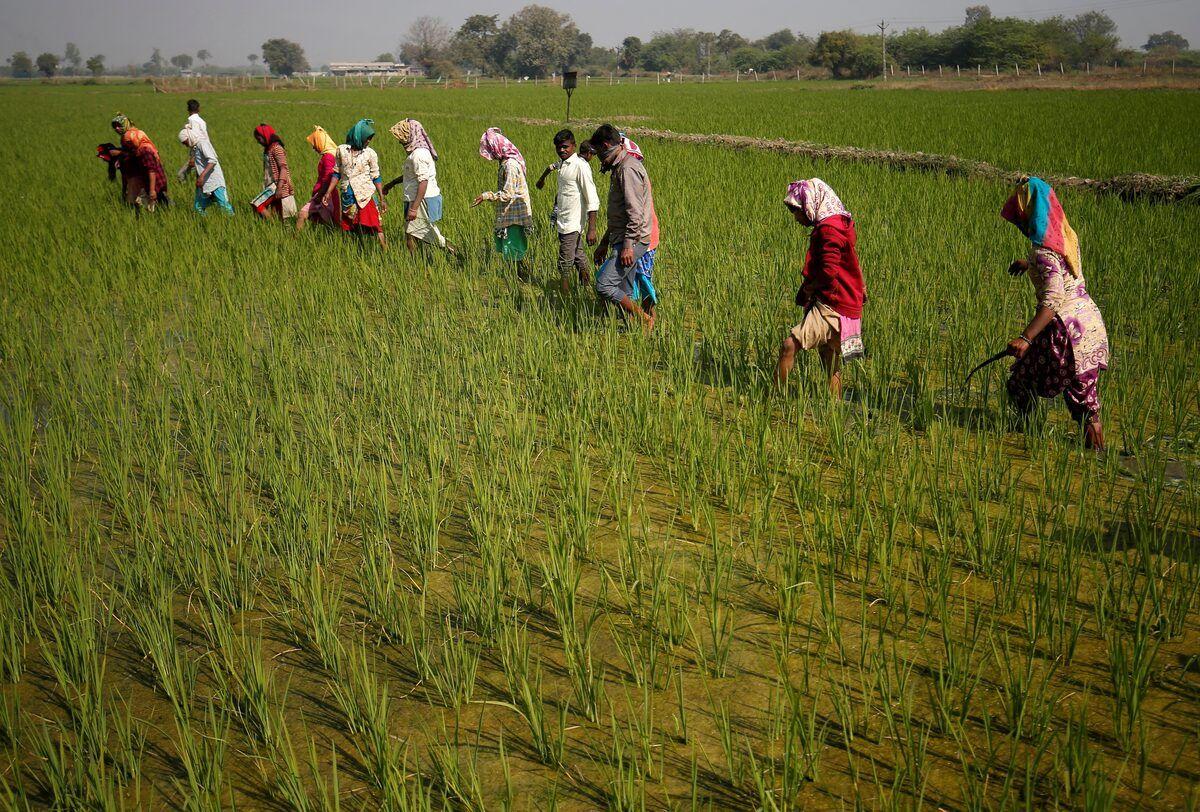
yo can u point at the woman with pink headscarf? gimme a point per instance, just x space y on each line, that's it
513 210
833 291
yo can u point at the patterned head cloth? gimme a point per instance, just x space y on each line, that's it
1035 210
412 135
320 140
362 132
816 199
495 147
120 122
632 148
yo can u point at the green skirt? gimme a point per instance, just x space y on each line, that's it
511 243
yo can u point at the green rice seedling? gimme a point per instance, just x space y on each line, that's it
316 614
287 781
150 619
456 775
385 603
14 631
562 574
451 671
956 678
715 640
71 780
524 682
202 755
639 732
480 592
626 785
10 719
1130 668
731 748
365 704
243 684
575 480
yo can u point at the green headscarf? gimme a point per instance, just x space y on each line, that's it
120 120
360 133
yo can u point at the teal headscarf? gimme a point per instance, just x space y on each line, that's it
360 133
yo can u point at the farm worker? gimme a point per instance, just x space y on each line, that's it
1065 346
115 158
148 180
833 291
422 195
197 125
321 205
210 180
576 201
626 251
276 176
514 213
357 174
194 120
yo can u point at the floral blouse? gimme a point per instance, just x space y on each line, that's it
1064 293
512 200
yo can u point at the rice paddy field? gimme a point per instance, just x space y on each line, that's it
291 523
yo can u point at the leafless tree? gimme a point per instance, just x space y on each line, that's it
425 41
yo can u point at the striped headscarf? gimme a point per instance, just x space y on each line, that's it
816 199
411 133
362 132
321 141
1035 210
495 147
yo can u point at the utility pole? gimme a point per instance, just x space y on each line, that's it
883 39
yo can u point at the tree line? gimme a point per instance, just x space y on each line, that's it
538 41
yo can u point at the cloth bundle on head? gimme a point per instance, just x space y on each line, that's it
1035 210
411 133
632 148
362 132
267 135
188 136
495 147
321 140
816 199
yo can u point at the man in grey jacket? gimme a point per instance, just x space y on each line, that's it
627 247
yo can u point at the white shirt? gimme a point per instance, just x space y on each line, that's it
203 154
199 125
420 166
576 195
358 172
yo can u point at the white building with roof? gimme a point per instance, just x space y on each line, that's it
374 69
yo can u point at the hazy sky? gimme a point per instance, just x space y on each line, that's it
127 30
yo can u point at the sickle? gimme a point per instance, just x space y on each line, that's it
990 360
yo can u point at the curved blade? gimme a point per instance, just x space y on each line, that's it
990 360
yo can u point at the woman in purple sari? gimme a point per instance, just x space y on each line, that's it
1065 346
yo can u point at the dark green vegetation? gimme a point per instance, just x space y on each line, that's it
290 523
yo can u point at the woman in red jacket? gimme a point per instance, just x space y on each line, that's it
833 292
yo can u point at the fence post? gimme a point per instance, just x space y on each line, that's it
610 78
1039 68
737 76
997 70
1017 66
1088 67
1061 69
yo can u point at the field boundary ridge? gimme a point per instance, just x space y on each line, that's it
1129 186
